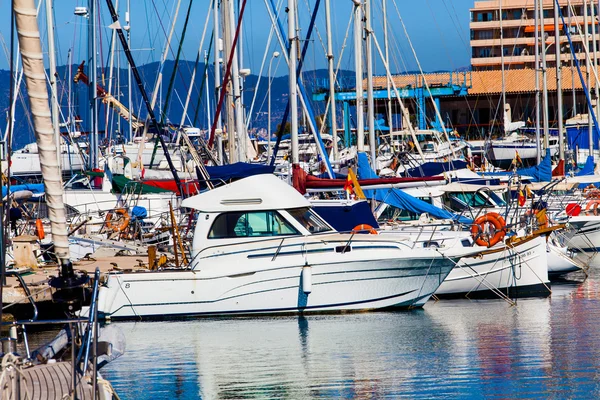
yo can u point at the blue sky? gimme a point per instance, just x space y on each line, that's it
439 30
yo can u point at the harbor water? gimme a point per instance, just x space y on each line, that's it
538 348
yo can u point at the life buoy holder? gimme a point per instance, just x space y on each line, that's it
364 227
592 205
39 229
123 221
483 238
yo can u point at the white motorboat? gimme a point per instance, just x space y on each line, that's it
259 248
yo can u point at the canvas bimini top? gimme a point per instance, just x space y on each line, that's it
255 193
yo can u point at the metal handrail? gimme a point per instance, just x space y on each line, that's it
91 325
27 292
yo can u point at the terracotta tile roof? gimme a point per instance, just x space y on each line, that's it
488 82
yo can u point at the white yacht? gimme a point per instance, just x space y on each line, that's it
25 162
259 248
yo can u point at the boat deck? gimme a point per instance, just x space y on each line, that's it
46 381
37 280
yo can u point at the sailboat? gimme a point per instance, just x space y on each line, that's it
34 373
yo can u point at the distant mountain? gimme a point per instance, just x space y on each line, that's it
314 81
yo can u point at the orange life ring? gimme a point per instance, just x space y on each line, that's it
591 192
39 229
110 224
592 204
364 227
479 226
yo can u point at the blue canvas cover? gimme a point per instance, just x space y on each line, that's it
139 213
538 173
238 170
35 188
400 199
588 168
345 218
436 168
577 137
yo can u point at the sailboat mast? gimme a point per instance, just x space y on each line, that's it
573 95
35 79
332 107
594 48
208 123
217 75
504 114
70 96
93 107
227 50
129 97
240 132
387 60
537 80
53 74
370 102
293 80
360 108
145 97
587 74
544 72
559 97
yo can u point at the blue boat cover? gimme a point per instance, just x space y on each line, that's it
577 137
238 170
35 188
538 173
400 199
139 213
436 168
588 168
345 218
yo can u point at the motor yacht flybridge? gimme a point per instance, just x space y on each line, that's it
259 248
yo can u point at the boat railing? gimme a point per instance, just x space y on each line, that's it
80 362
27 293
320 236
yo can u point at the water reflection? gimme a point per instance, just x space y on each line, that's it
540 347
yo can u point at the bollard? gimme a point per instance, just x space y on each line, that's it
9 345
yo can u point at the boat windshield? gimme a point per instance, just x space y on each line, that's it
311 221
250 224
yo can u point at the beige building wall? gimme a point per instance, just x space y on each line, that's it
518 28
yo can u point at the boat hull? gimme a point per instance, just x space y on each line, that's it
521 271
586 233
503 155
334 287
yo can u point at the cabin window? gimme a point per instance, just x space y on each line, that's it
311 221
250 224
473 199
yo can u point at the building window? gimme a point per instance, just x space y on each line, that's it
484 17
486 34
485 52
